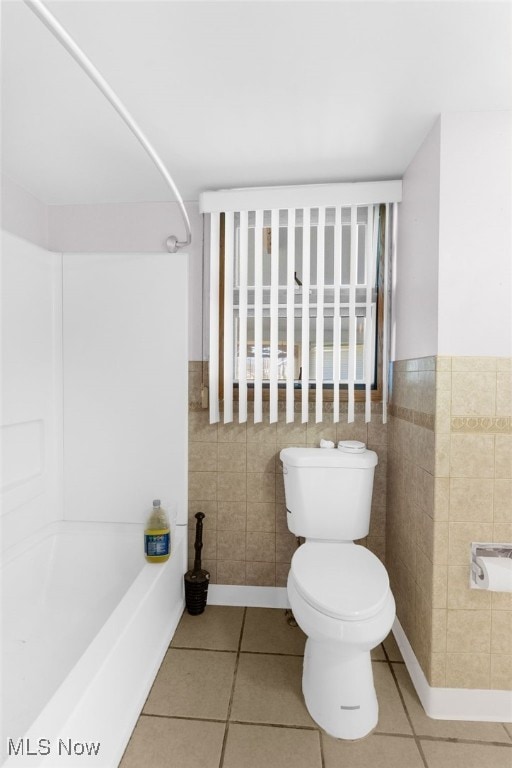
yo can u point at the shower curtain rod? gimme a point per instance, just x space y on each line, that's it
49 20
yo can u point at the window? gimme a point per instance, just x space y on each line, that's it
298 295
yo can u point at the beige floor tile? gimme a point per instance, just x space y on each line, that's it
392 716
378 654
378 751
160 742
193 684
266 630
448 729
256 746
218 627
392 649
268 690
443 754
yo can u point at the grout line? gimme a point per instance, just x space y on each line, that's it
226 730
416 739
452 740
276 725
183 717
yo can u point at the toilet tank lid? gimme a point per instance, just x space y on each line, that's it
331 458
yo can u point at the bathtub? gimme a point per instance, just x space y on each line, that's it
86 622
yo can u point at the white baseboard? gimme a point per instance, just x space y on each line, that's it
453 703
254 597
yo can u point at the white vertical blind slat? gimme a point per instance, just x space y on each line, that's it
290 316
258 316
336 315
214 317
306 258
319 342
385 329
274 312
352 312
242 318
228 315
369 257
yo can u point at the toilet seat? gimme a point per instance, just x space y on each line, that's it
342 580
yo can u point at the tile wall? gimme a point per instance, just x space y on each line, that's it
449 484
235 478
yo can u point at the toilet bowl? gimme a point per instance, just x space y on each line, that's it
340 596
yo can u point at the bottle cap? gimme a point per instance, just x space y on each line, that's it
156 503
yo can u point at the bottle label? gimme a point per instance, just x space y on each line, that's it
156 545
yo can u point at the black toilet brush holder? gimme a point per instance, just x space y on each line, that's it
197 579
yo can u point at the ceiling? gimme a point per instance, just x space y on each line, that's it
240 93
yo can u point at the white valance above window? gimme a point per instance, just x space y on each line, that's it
296 277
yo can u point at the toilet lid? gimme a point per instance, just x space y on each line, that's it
345 581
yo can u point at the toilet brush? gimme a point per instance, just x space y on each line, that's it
197 579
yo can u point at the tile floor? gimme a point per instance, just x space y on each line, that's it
228 695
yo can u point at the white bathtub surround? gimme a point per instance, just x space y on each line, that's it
87 646
94 425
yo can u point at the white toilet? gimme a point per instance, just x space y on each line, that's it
338 591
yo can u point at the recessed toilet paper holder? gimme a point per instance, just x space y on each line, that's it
485 550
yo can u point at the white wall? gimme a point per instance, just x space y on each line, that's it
125 385
415 300
453 279
31 415
475 238
23 214
134 228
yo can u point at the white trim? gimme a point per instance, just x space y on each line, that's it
453 703
301 196
253 597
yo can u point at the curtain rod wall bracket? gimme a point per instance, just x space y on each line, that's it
54 26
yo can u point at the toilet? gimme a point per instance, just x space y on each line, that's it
338 591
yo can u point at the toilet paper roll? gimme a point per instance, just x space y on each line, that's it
497 573
326 443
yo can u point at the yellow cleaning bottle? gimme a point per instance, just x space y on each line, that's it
157 536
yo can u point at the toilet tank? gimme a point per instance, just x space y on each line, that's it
328 492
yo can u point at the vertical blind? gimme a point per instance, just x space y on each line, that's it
299 278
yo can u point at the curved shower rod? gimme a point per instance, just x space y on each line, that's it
49 20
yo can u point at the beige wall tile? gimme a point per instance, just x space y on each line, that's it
471 499
261 457
232 433
441 498
315 432
472 456
460 595
461 535
286 546
202 457
199 427
502 533
261 516
437 676
209 509
202 486
231 516
444 380
503 501
443 363
475 364
230 571
262 433
231 545
504 364
261 487
281 518
282 570
260 574
261 546
468 631
232 486
503 394
468 670
504 457
232 457
501 671
439 621
357 430
443 410
501 632
473 394
501 601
